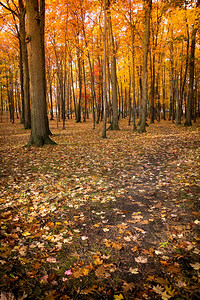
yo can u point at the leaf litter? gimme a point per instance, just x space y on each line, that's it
94 219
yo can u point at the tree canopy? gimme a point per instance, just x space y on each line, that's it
74 55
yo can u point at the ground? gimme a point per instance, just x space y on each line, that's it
94 218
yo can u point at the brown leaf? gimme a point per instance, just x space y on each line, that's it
89 290
101 272
128 286
50 295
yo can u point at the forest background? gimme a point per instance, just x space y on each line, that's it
95 217
146 53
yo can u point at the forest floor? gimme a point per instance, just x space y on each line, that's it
94 218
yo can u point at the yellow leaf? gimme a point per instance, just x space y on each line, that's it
134 249
86 272
98 261
118 297
108 243
117 246
96 225
26 233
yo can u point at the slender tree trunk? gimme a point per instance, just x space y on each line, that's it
26 81
133 76
78 117
10 97
109 92
73 92
129 99
188 121
104 71
92 80
164 92
1 103
85 94
148 4
51 100
21 84
152 108
114 124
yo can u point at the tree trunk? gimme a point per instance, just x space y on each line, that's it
133 76
78 116
152 108
148 4
21 84
26 81
1 95
104 71
85 94
35 46
188 121
114 124
50 94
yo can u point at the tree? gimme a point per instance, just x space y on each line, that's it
104 70
147 7
114 124
19 12
35 45
188 121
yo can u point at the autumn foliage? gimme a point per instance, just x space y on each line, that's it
74 58
104 213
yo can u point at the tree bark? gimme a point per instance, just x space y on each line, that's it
114 124
26 81
133 76
148 5
188 121
104 71
35 46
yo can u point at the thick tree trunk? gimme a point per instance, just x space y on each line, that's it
148 4
39 122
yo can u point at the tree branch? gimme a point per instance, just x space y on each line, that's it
9 9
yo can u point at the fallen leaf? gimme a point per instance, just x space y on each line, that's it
105 229
51 259
89 290
98 261
197 222
118 297
195 266
68 272
158 289
117 246
26 233
141 259
102 272
134 271
128 286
